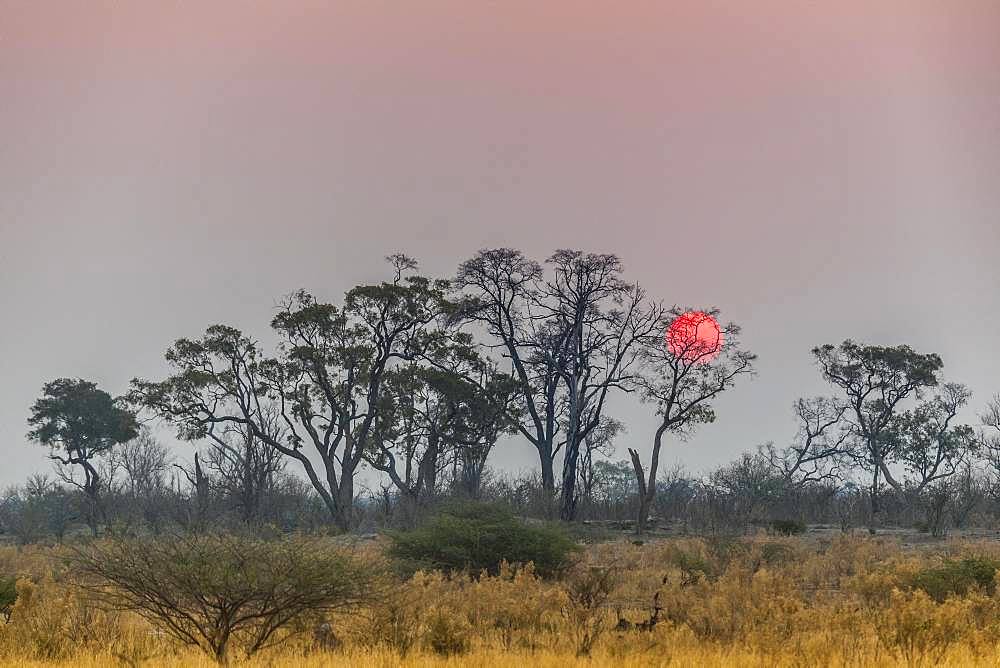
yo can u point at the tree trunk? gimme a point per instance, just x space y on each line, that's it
647 488
644 497
548 470
567 506
343 515
875 505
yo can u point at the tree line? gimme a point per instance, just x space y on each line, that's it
419 379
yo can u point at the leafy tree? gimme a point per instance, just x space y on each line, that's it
682 383
927 443
79 423
449 406
327 384
876 381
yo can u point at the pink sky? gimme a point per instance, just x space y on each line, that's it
818 170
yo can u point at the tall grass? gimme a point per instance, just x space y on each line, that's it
849 601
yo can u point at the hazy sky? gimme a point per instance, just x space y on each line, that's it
818 170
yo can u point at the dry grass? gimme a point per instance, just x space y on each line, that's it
846 601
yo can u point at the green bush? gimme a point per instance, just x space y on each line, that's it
478 537
8 596
957 577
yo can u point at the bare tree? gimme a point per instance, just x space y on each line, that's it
499 285
145 462
969 490
820 446
599 442
990 439
243 466
683 383
571 340
196 518
596 323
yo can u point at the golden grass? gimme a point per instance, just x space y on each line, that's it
848 601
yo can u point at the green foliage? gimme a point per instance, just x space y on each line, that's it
788 527
479 537
957 577
8 596
75 416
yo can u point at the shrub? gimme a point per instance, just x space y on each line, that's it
8 596
957 577
788 527
447 635
214 590
480 537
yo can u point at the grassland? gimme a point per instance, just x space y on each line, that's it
840 600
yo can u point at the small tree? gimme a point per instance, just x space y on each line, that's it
821 444
601 442
215 591
990 439
79 423
682 380
145 462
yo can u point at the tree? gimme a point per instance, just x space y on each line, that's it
821 443
876 380
326 384
448 406
600 441
79 423
596 322
145 462
487 411
683 383
614 483
570 339
214 591
245 467
499 286
927 443
747 486
990 440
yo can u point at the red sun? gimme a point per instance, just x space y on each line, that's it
694 337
